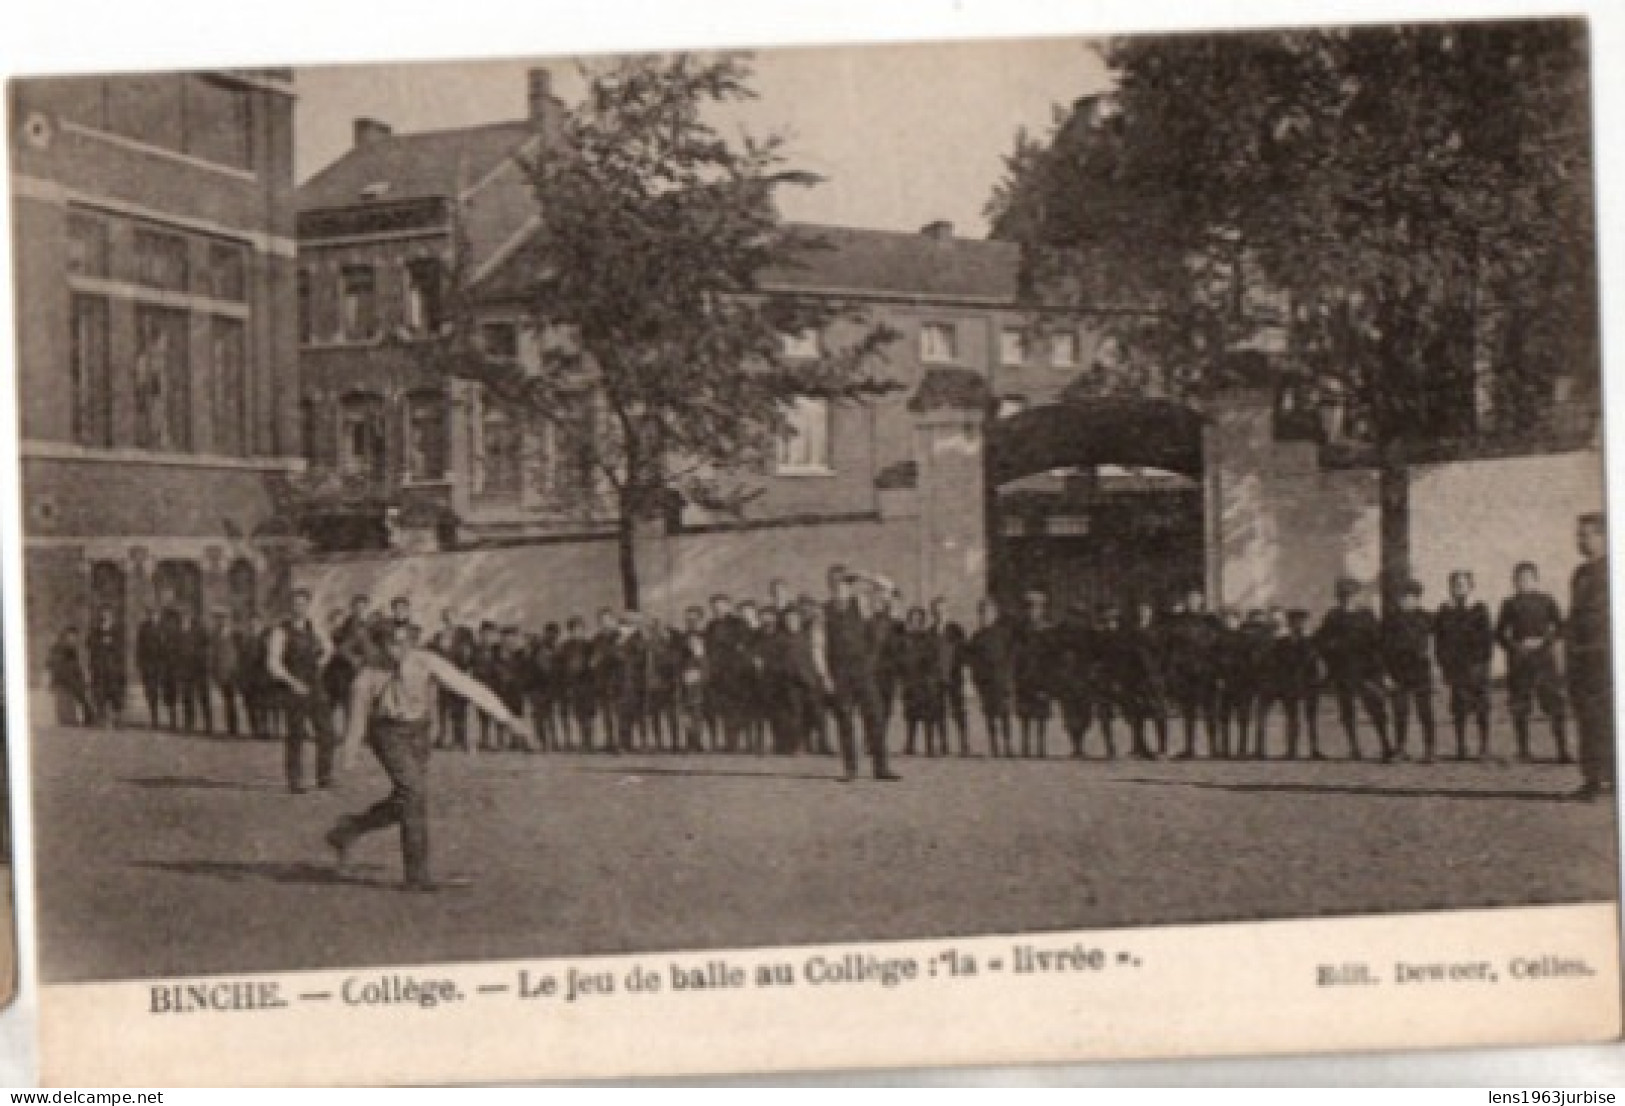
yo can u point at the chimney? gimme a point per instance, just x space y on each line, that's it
539 90
368 131
939 230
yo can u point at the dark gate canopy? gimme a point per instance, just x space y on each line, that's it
1135 433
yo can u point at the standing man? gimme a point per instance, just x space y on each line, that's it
225 666
1528 629
151 662
692 679
954 648
1464 641
105 649
1588 651
390 708
853 663
1407 635
65 671
192 672
992 673
1193 681
295 656
1349 641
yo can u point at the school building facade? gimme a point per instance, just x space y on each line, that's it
156 367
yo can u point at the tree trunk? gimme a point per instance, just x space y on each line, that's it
1394 519
626 545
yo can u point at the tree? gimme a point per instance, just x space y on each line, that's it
1405 204
647 295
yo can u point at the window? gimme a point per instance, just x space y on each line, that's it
1012 346
499 468
1063 349
803 345
307 322
162 380
422 296
361 435
228 279
426 436
358 303
229 386
160 259
807 446
939 343
217 121
500 340
90 382
87 244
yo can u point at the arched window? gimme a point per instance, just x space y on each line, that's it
361 435
500 454
426 435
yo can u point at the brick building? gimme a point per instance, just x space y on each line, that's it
155 260
379 230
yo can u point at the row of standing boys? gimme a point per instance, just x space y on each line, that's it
754 677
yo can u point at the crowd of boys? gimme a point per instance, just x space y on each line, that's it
784 674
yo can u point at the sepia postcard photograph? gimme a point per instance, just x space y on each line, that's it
962 552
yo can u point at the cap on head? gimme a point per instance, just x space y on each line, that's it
1348 587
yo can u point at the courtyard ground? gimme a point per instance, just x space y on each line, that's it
162 854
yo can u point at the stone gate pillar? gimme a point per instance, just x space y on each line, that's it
950 455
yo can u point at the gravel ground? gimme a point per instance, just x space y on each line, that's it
170 855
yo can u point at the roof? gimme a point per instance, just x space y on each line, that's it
854 260
904 264
415 166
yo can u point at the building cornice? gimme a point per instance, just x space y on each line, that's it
41 190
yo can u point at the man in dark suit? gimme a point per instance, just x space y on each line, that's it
853 662
152 663
1463 642
991 671
105 650
1349 641
1407 638
1588 652
192 673
1528 629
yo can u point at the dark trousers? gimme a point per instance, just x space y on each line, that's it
307 717
107 696
453 719
1532 680
1470 699
403 749
1301 709
152 687
1417 694
231 697
1198 703
196 711
854 704
1077 712
1591 694
1353 692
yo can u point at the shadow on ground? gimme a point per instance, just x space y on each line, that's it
271 871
